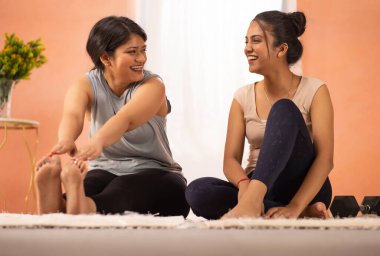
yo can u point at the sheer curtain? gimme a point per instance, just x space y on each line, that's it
197 48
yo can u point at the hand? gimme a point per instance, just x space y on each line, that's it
287 212
90 151
64 146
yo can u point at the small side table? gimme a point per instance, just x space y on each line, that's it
21 125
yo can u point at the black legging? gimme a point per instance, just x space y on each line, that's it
150 191
286 155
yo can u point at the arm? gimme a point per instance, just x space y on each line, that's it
322 118
78 99
145 103
234 148
233 154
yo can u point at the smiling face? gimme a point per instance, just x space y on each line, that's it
258 49
127 63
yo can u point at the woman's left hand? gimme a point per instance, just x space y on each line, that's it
90 151
286 212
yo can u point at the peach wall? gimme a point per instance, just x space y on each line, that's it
64 27
341 47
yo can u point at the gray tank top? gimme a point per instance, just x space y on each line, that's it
145 147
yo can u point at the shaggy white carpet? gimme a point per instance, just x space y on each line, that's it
132 220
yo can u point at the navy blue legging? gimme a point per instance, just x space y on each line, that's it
286 155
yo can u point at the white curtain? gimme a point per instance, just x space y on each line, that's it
196 46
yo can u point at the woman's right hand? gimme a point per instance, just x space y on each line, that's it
90 151
63 147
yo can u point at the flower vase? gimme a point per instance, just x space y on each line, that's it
6 88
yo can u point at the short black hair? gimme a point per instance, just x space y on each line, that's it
108 34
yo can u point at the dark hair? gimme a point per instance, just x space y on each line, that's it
108 34
285 28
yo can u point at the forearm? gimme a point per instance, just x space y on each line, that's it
233 171
70 128
111 131
312 183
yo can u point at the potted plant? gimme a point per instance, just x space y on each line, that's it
17 59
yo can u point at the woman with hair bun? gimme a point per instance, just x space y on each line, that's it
288 122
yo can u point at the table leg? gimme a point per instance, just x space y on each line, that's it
3 195
32 159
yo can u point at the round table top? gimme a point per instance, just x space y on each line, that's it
16 123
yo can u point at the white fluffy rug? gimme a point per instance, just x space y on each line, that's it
132 220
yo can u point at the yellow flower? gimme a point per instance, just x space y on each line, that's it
17 58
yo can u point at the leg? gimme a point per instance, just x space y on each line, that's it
48 185
167 195
150 191
96 181
297 165
285 157
211 198
287 151
72 177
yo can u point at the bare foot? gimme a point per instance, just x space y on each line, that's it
72 178
251 203
74 172
48 185
242 210
317 210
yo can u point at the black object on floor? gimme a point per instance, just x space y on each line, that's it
347 206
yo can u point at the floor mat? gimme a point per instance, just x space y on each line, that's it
133 220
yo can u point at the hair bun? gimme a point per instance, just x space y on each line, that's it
298 20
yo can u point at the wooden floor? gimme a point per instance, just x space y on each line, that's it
157 242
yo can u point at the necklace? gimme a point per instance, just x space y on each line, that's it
289 92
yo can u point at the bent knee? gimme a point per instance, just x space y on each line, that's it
199 193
